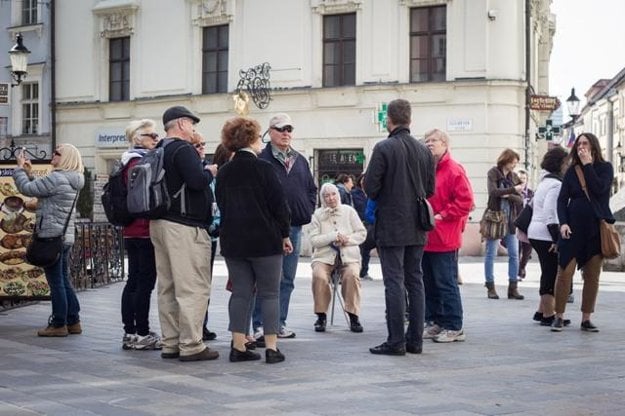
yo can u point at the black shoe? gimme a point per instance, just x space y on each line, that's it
355 326
588 327
385 349
170 355
204 355
538 316
547 320
414 348
250 345
272 357
557 325
260 342
247 355
208 335
320 325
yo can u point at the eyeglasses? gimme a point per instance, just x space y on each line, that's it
57 153
200 144
288 129
154 136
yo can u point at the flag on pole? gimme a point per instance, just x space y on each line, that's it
571 140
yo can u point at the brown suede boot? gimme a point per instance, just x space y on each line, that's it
53 331
74 329
492 293
513 293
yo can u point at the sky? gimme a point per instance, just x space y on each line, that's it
587 46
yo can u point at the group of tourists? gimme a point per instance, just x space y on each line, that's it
256 199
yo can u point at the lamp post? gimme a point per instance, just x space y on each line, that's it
19 60
572 104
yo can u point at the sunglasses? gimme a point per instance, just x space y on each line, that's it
57 153
288 129
154 136
200 144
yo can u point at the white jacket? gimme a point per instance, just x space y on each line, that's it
545 208
326 224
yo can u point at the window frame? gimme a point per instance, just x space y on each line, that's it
29 106
29 13
119 90
221 80
340 43
431 75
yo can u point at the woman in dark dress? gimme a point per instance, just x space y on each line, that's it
579 216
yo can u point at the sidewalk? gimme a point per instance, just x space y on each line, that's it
508 364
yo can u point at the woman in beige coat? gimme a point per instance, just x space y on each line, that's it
335 234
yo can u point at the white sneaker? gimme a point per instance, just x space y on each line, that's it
259 333
447 335
430 331
150 341
285 333
128 341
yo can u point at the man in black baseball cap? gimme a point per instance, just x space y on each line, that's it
176 112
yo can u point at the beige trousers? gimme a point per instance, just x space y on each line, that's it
182 255
350 286
590 274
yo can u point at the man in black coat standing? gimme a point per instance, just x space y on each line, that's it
400 171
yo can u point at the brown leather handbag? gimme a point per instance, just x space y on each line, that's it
610 238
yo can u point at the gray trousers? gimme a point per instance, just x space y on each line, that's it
260 274
402 274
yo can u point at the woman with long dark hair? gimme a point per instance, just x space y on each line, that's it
583 201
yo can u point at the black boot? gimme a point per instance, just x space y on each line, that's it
492 293
354 323
320 324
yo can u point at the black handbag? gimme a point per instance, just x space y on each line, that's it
425 213
46 251
524 218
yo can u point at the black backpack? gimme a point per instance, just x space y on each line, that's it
114 196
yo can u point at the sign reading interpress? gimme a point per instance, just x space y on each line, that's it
544 103
110 138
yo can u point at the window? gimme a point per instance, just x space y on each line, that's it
119 69
215 59
29 12
30 108
428 43
339 50
4 127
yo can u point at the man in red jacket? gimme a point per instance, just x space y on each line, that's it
452 201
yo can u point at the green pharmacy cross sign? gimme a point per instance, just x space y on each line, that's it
548 131
381 120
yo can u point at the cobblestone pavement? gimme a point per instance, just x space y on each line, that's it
507 365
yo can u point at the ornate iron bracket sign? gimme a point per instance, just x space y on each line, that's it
255 83
8 153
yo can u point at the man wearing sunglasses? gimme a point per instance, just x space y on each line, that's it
294 173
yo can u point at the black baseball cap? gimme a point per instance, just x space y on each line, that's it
172 113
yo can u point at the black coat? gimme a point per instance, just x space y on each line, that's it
388 183
254 212
582 215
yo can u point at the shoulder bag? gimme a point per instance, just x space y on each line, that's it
425 213
523 220
610 238
45 251
493 224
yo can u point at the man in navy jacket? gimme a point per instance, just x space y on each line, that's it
299 187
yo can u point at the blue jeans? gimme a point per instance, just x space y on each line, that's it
65 306
443 305
289 269
402 273
512 246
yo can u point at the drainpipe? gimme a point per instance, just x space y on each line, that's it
52 77
528 87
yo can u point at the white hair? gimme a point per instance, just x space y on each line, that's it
327 188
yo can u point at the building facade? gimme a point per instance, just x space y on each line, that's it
26 112
332 65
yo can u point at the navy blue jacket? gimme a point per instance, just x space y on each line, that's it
298 184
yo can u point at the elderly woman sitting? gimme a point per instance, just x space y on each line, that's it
336 229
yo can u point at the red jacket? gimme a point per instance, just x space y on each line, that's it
452 200
139 228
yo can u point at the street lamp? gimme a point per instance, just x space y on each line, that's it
19 60
572 104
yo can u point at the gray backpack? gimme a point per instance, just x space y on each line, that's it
148 196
